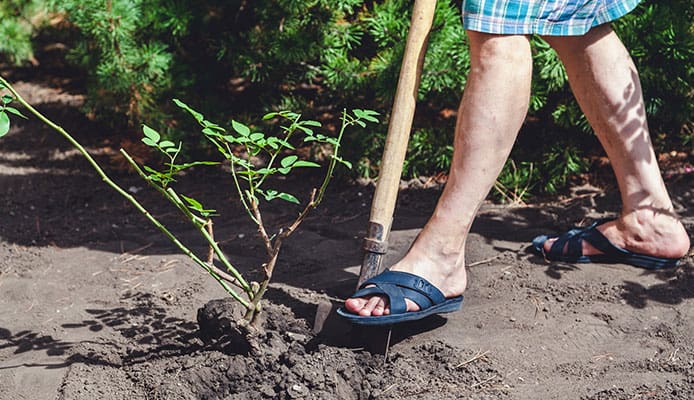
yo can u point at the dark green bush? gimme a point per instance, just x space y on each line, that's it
18 21
323 55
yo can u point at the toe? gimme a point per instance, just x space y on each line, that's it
355 304
380 309
370 306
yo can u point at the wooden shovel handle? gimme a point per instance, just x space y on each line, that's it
383 204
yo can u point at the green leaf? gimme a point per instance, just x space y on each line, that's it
7 99
302 163
240 128
284 171
4 123
197 206
211 132
311 123
367 115
16 112
344 162
149 142
166 143
150 169
270 116
288 161
212 125
150 134
361 123
199 117
288 197
307 131
268 194
266 171
257 136
285 144
193 164
194 204
290 114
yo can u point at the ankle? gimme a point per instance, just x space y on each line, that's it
654 231
441 271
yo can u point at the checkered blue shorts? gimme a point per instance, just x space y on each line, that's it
542 17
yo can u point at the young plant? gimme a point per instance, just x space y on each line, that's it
236 146
5 111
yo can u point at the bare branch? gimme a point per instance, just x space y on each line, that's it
261 227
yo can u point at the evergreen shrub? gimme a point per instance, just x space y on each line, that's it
323 55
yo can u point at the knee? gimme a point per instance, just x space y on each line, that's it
493 50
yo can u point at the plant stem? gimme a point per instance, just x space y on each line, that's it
171 195
273 250
333 160
123 192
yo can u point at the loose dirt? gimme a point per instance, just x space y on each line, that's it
95 303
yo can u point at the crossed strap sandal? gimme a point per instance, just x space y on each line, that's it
397 286
568 247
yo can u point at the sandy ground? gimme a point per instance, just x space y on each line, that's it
94 303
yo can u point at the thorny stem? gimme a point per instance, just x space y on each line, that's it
123 192
217 250
333 160
171 195
273 250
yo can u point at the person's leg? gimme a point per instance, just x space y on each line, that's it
493 107
606 84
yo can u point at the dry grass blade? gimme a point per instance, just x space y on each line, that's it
478 356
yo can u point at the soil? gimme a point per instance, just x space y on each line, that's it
98 304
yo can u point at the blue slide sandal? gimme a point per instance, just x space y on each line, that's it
569 248
397 286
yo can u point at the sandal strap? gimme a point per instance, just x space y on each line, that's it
573 242
398 286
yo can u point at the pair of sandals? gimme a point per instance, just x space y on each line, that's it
396 286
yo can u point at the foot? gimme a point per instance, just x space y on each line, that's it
440 270
643 232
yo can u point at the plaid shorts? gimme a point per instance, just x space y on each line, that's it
542 17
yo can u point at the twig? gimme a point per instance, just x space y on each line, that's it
478 356
599 357
671 358
388 389
261 227
137 250
484 261
484 381
210 251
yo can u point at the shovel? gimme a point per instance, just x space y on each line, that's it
383 204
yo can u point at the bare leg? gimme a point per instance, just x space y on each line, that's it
491 112
606 85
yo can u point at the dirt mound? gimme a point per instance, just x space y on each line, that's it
289 362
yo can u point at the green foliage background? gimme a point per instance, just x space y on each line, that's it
245 57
